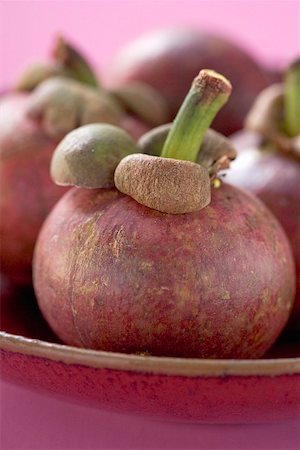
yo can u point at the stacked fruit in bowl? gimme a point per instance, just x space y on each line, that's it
49 101
145 261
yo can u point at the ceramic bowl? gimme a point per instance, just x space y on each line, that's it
203 391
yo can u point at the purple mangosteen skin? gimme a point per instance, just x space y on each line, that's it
275 179
170 59
27 193
114 275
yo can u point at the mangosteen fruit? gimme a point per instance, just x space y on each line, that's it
155 254
169 59
32 124
269 160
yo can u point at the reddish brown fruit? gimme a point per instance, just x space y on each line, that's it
114 275
275 179
269 161
31 126
110 273
168 60
27 192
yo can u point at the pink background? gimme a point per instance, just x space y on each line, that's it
268 28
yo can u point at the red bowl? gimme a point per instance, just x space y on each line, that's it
203 391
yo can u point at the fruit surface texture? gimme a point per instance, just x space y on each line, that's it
27 191
112 274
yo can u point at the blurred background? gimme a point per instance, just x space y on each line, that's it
270 29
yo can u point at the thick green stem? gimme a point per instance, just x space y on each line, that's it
209 92
74 63
292 99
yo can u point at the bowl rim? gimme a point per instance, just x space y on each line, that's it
149 364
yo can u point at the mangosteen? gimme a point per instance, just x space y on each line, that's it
170 261
32 124
169 59
269 160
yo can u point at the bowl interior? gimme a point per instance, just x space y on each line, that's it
193 390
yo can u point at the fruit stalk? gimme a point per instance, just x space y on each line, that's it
74 62
292 99
209 92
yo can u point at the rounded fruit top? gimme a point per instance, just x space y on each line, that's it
169 59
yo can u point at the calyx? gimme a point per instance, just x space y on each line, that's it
177 175
266 118
66 61
276 113
215 153
62 104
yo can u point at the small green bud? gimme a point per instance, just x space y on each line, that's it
88 156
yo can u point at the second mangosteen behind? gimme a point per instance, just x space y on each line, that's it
169 59
268 164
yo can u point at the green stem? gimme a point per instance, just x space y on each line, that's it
292 99
74 63
209 92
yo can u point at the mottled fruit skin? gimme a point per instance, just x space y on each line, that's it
275 179
114 275
27 193
170 59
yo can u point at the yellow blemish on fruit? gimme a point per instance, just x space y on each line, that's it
226 295
216 182
86 289
265 295
288 306
147 265
118 242
164 288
